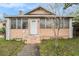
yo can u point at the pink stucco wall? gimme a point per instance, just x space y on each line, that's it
43 33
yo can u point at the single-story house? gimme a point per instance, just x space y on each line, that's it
36 25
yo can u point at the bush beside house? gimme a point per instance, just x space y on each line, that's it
2 32
65 47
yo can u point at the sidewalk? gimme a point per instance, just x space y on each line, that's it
29 50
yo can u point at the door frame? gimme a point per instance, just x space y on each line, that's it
30 23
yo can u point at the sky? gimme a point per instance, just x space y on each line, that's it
13 8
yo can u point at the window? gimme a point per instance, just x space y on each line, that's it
42 22
24 23
18 23
13 23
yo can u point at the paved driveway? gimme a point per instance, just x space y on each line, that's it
29 50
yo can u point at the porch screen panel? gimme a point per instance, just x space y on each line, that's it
52 22
66 23
58 23
42 22
55 23
61 23
24 23
18 23
13 23
48 23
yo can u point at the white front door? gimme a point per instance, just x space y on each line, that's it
33 26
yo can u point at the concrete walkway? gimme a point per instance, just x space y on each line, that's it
29 50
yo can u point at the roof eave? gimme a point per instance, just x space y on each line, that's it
38 16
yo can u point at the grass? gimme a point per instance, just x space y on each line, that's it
10 47
65 47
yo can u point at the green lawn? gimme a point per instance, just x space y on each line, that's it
10 47
65 48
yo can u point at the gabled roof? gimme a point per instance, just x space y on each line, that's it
38 9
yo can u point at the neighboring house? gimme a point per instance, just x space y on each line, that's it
2 25
36 25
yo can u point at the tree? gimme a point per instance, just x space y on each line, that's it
57 22
75 14
67 5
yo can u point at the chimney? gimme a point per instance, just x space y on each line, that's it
21 12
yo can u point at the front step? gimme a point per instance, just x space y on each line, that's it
33 40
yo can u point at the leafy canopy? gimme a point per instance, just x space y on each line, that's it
67 5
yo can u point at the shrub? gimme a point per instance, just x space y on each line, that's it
66 47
